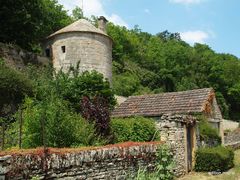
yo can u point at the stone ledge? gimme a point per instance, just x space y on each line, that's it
110 161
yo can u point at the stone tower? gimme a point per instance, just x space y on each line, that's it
81 42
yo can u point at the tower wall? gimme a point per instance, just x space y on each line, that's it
92 50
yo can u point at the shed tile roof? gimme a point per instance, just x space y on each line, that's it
81 25
183 102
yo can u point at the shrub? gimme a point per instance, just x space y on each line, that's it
86 84
97 111
52 124
14 86
208 133
134 129
214 159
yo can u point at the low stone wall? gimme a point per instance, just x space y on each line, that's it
108 162
232 138
230 125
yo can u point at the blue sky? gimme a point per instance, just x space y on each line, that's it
212 22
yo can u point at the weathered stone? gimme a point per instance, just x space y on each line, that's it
102 163
5 158
17 58
232 138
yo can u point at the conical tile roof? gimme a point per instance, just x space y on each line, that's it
81 25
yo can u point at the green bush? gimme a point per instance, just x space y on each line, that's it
134 129
14 86
53 124
208 133
214 159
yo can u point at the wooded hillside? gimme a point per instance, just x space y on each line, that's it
146 63
142 62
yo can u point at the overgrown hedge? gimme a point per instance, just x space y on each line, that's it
135 129
208 134
214 159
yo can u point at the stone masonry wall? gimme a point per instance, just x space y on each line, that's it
232 138
18 58
172 131
109 162
230 125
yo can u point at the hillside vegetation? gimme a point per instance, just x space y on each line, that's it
142 62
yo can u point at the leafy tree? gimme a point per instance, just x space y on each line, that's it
77 13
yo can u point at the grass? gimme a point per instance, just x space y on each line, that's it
232 174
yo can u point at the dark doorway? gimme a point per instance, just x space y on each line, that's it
189 147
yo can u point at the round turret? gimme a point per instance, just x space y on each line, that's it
81 42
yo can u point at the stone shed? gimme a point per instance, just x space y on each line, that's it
174 113
81 42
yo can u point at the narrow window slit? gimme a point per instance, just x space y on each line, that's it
47 51
63 49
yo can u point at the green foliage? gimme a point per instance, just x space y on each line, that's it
131 84
89 84
77 13
51 123
27 22
14 86
208 133
52 116
164 166
134 129
214 159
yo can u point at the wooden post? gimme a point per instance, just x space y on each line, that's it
3 135
20 128
43 131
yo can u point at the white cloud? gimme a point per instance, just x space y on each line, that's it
117 20
195 36
186 2
93 7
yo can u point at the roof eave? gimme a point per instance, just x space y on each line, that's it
56 34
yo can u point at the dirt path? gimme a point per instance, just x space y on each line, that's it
232 174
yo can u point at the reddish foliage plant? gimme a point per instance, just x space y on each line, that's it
96 110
